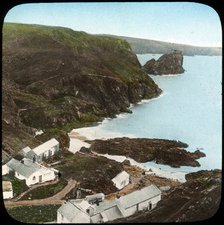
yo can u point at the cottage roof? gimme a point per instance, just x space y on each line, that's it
138 196
105 204
7 186
120 177
45 146
26 149
70 209
26 168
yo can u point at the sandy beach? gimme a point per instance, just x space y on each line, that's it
77 141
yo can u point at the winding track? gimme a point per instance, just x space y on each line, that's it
56 199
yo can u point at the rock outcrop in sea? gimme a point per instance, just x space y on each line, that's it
171 63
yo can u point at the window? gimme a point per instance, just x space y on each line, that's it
34 178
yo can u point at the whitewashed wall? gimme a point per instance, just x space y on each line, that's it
45 177
5 170
7 194
130 211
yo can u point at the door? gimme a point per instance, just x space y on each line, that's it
40 178
150 205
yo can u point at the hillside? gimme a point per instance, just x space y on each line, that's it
57 79
196 200
144 46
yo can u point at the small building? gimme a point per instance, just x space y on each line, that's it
43 151
83 211
143 199
31 172
121 180
5 169
5 158
7 189
80 211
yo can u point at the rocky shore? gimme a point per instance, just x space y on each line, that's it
168 152
171 63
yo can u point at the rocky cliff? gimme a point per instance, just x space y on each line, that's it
56 78
171 63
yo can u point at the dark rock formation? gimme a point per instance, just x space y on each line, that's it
196 200
161 151
167 64
55 77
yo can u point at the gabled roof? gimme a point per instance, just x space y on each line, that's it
26 149
138 196
120 177
26 168
45 146
70 209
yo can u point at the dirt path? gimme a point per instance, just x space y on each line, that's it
56 199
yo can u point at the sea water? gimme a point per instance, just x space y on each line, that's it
188 110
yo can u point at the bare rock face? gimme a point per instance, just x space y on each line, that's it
167 64
162 151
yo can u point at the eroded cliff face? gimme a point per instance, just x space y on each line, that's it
171 63
58 78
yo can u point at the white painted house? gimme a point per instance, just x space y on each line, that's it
31 172
42 151
5 169
7 189
121 180
82 211
143 199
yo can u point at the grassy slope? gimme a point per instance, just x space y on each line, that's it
60 78
143 46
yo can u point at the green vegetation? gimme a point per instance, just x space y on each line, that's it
144 46
19 186
45 191
26 98
85 122
34 214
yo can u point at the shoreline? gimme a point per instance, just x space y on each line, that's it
77 141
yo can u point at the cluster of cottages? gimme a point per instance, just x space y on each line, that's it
93 208
29 167
96 209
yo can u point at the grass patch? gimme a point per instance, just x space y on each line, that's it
34 214
45 191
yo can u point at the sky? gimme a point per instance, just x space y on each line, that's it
183 22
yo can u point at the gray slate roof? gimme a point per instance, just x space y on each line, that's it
25 169
138 196
69 210
45 146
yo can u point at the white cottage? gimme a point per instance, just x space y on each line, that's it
7 189
143 199
121 180
43 151
31 172
5 169
82 211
